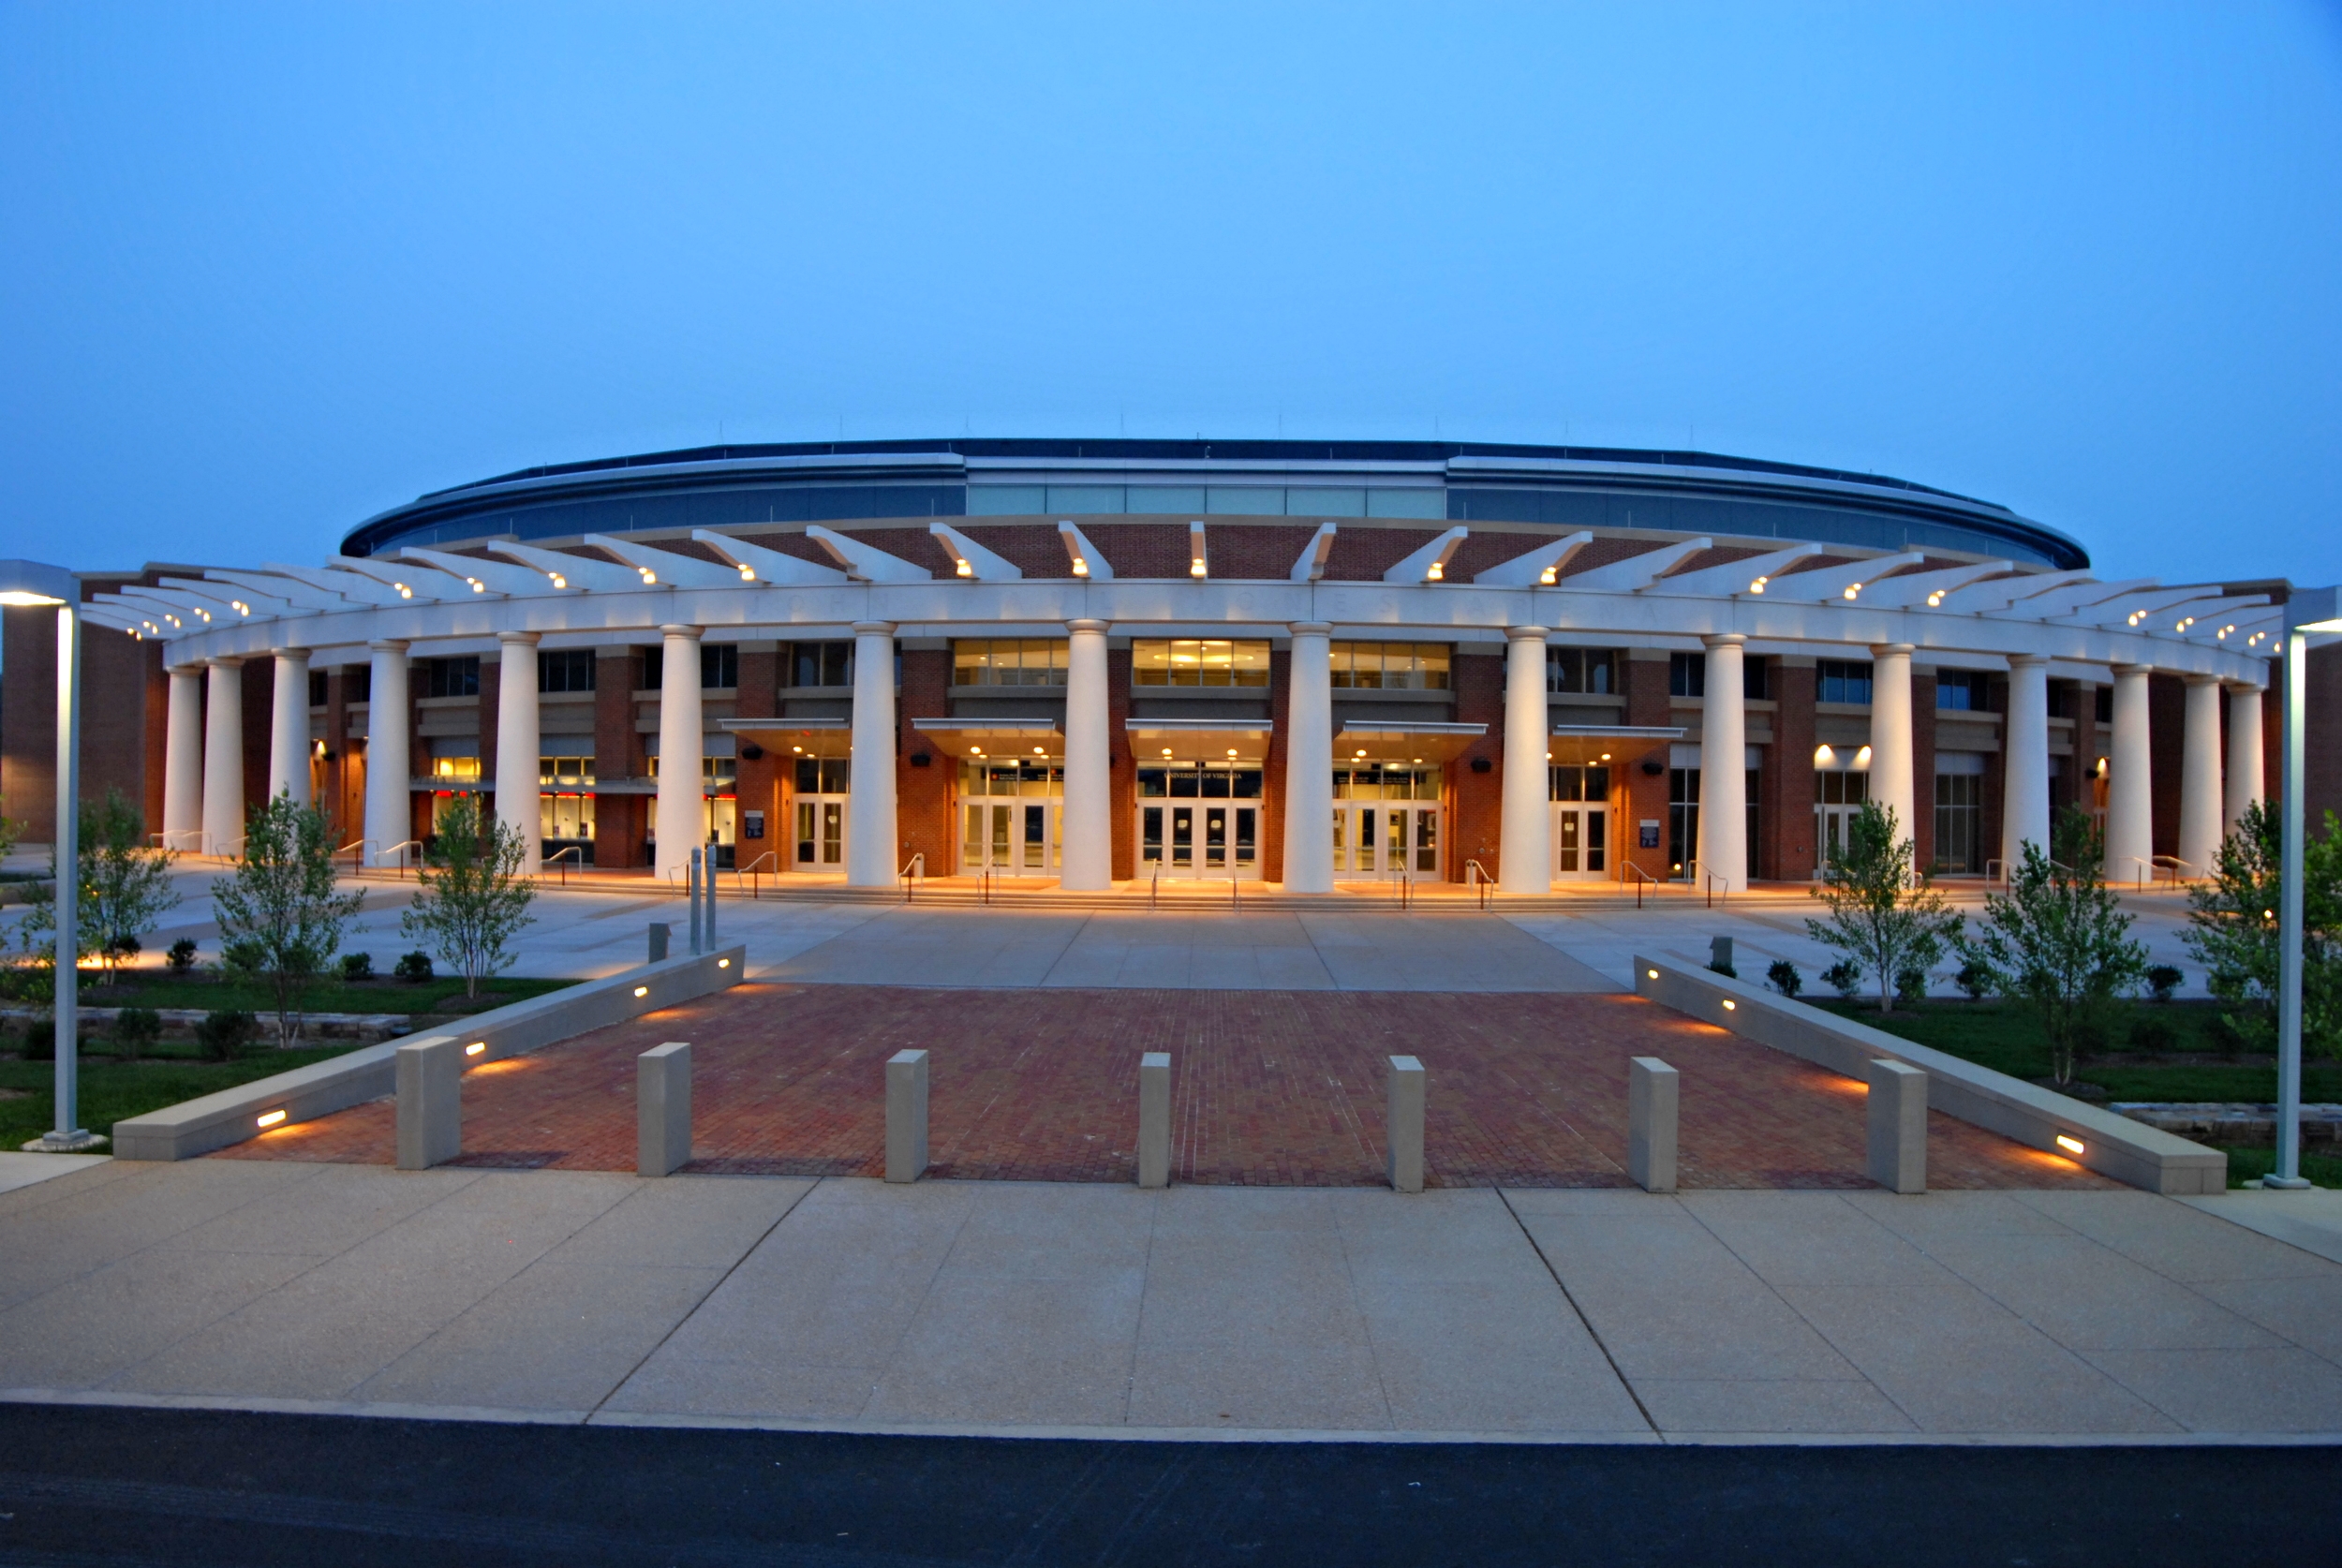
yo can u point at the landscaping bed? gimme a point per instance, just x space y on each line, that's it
113 1090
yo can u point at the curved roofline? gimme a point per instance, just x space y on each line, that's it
1455 465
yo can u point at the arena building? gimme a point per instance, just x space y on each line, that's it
1107 662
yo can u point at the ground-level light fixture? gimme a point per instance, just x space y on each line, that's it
723 962
475 1047
1731 1006
1652 973
2069 1143
269 1118
640 991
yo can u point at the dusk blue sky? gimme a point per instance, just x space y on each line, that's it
269 268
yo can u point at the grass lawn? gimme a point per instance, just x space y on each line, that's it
2164 1050
112 1091
159 989
2322 1170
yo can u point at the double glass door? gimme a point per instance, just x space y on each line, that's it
1199 838
1385 840
819 843
1838 798
1018 838
1581 843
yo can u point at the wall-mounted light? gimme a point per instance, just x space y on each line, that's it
1730 1006
1546 578
1436 572
1756 585
1652 973
649 575
558 580
1196 569
1852 590
2071 1145
961 568
640 991
723 962
1935 598
748 575
269 1118
1081 568
475 1047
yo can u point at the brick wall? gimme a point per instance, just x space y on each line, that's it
1922 832
923 800
1478 799
1646 794
1787 814
1122 776
1272 829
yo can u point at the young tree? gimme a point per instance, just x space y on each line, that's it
280 917
1886 922
2234 930
474 899
2057 939
126 887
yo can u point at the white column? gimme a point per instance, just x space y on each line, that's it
681 818
1087 852
1891 785
1724 767
390 770
871 834
289 727
2025 806
2200 824
182 763
516 741
1525 858
1310 762
223 760
2245 783
2130 787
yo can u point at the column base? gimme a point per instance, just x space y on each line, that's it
80 1140
2267 1183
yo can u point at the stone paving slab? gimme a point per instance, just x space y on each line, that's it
1269 1089
1550 1314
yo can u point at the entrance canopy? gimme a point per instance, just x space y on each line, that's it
796 737
1583 744
1403 742
1198 740
995 738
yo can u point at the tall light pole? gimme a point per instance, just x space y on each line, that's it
2306 610
33 584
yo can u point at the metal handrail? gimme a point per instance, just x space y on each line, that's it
2146 877
1153 884
400 850
162 840
1626 864
1476 878
2173 865
914 871
1710 879
357 862
756 889
554 859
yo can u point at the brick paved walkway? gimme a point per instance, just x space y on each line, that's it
1270 1088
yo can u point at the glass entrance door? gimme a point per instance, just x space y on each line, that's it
1011 815
1387 841
818 841
1837 801
1582 821
1199 838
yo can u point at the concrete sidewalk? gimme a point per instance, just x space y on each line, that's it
1102 1310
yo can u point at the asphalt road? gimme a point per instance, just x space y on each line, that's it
124 1487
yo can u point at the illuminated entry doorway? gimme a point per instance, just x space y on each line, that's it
818 842
1387 822
1199 820
1582 822
1012 814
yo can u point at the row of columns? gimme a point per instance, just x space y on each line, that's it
203 780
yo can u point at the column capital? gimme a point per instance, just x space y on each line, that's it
2118 671
1098 627
388 644
292 652
691 631
2026 662
2203 680
2240 687
225 661
1528 633
188 670
873 629
1724 639
1892 650
1311 629
524 639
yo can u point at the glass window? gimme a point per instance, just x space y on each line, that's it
1009 661
1841 682
719 666
357 683
1962 690
1687 675
1385 781
566 670
1959 822
1591 672
1569 782
455 760
2105 709
1177 500
823 776
1430 504
1085 497
1244 501
1390 666
821 664
1037 776
1006 500
317 689
1326 503
1198 661
565 771
452 677
1753 684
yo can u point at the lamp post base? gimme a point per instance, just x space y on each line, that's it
2281 1184
78 1141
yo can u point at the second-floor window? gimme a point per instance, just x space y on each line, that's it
452 677
317 689
566 670
1009 661
1391 665
1838 681
1198 661
1963 690
720 667
1581 672
821 664
1687 675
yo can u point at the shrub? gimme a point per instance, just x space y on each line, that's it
1846 976
182 955
135 1029
415 968
40 1040
224 1035
1974 979
1911 987
2162 980
357 965
2153 1032
1724 967
1785 977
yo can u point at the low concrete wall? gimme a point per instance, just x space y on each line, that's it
2111 1145
213 1122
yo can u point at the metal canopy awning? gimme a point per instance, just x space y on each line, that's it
1403 742
1614 744
996 739
796 737
1198 740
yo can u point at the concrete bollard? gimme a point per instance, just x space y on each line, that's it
661 934
429 1075
906 1115
1653 1094
1404 1160
1898 1127
662 1109
1154 1118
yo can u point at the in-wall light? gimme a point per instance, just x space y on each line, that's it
723 962
1652 973
1232 751
640 991
270 1118
1731 1006
2071 1145
475 1047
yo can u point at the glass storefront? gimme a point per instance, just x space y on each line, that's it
1216 835
1011 815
